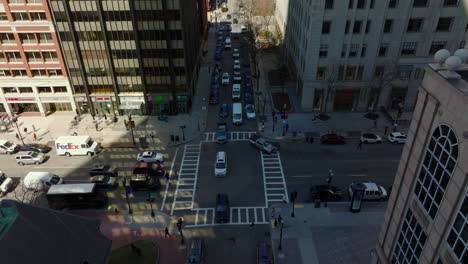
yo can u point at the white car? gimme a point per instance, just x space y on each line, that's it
237 65
250 111
149 156
220 164
372 191
397 137
225 78
235 53
243 29
237 78
370 138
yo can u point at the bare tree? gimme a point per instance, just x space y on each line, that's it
25 195
384 75
329 83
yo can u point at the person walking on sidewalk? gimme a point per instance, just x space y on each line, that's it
25 130
152 136
35 136
386 130
359 147
17 136
166 233
168 177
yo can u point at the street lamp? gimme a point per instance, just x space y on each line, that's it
183 134
15 119
293 199
280 247
330 177
130 212
150 200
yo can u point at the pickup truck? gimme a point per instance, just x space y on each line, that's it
221 134
262 144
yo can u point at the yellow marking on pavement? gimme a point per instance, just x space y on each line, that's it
272 223
298 206
278 137
138 212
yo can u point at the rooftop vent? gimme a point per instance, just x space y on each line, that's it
448 65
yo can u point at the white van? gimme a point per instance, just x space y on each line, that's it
237 114
6 147
227 43
41 180
220 164
372 192
76 145
236 92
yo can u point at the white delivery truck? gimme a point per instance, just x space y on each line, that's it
41 180
237 113
76 145
6 147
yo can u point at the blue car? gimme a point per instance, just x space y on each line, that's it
248 87
248 99
263 254
222 208
223 110
217 56
248 74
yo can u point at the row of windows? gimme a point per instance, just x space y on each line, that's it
360 4
146 15
25 16
26 38
35 73
25 1
32 56
128 71
351 72
124 35
45 89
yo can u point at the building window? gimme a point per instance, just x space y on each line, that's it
9 90
7 38
458 238
25 89
329 4
368 24
19 73
350 73
404 71
16 1
372 3
13 56
353 51
45 89
39 72
451 2
363 50
392 3
5 73
60 89
462 44
383 49
418 74
357 26
409 48
437 168
320 73
34 56
38 16
340 72
414 25
344 50
419 3
323 51
45 38
410 242
351 4
34 1
360 72
347 27
444 24
28 38
437 45
3 58
326 27
20 16
3 16
388 25
361 4
379 71
50 56
55 72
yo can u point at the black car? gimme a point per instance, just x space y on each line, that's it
325 193
35 147
104 181
235 20
222 208
101 169
235 35
144 182
195 251
223 110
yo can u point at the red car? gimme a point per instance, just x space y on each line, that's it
332 139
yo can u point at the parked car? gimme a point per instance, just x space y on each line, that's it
102 169
225 79
144 182
250 111
148 169
35 147
237 65
235 35
228 16
214 97
195 252
246 61
222 208
149 156
370 138
235 20
243 29
235 53
263 254
104 181
220 167
5 183
221 133
248 99
372 191
223 111
217 56
29 157
247 75
332 139
325 193
228 28
397 137
237 78
247 86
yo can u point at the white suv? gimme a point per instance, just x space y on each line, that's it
237 65
221 164
397 137
225 79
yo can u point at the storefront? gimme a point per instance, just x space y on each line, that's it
345 100
104 105
82 104
23 105
56 104
132 105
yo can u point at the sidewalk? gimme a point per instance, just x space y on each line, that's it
326 235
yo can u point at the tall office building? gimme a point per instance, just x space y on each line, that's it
345 53
427 214
33 77
131 56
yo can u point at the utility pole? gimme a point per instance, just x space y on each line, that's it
280 247
150 200
15 119
293 199
183 133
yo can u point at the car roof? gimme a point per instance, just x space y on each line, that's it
371 186
396 134
25 153
143 165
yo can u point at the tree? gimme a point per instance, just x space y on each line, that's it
25 195
332 75
384 75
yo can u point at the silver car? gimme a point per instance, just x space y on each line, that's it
29 157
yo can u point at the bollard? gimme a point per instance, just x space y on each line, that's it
172 138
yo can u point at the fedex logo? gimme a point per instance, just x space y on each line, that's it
67 146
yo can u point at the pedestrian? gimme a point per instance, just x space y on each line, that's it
25 130
152 136
93 116
166 233
135 249
386 130
180 222
273 114
17 136
285 199
105 116
252 224
179 226
280 219
75 134
395 125
168 177
35 136
359 147
375 123
287 127
97 126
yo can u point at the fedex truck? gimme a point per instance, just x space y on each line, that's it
76 145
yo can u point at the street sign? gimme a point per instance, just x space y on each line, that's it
128 189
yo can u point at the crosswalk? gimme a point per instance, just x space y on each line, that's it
187 178
273 178
238 216
231 136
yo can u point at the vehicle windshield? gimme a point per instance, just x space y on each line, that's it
220 165
55 179
220 208
34 154
235 92
90 143
237 116
8 144
249 109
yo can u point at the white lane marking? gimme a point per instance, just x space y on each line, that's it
170 176
357 175
242 213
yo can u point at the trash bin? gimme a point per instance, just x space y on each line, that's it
317 203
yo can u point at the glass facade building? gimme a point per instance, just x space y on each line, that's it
130 56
